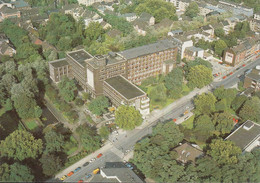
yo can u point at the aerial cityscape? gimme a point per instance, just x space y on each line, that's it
130 91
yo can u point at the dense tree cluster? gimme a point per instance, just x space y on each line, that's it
192 10
99 105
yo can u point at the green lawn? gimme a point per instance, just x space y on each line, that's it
189 122
72 150
31 125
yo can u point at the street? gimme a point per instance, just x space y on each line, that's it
125 141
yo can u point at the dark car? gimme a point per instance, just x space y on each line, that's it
86 164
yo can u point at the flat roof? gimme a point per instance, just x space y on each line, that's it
253 76
80 56
59 63
243 137
148 49
124 87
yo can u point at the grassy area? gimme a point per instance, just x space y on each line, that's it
188 123
72 150
32 124
2 111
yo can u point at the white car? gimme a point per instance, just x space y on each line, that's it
92 160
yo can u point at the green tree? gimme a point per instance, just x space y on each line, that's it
228 94
251 110
205 103
203 127
238 102
158 93
224 151
223 122
67 89
93 32
219 47
104 132
127 117
50 164
90 140
192 10
99 105
15 173
199 76
174 82
54 141
219 32
21 145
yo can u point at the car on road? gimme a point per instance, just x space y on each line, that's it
88 176
80 181
70 174
96 171
63 177
86 164
93 159
77 169
99 155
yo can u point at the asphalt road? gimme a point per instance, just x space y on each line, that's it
126 140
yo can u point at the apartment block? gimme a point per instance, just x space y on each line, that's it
95 73
252 79
245 51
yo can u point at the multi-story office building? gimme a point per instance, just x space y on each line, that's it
134 65
252 79
58 69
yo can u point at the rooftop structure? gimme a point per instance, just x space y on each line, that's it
124 87
247 136
80 56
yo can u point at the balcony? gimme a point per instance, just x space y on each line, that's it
145 106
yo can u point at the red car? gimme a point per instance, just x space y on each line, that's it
70 174
244 65
224 77
80 181
99 155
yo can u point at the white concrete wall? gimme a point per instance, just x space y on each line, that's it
185 44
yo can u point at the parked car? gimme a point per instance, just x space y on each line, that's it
80 181
88 176
63 177
77 169
99 155
86 164
93 159
96 171
70 174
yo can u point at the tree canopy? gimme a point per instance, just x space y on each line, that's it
99 105
192 10
199 76
251 110
127 117
20 145
174 82
67 89
205 103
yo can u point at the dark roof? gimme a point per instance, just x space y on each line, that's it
187 152
124 87
244 135
20 4
225 23
148 49
253 76
80 56
165 23
7 10
206 27
145 16
59 63
143 25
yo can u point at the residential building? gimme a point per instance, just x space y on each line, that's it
122 92
256 16
20 4
255 22
236 8
208 29
164 24
90 2
147 18
180 5
226 26
204 10
192 52
5 3
116 172
245 51
140 26
134 64
188 153
129 16
175 32
58 69
6 49
6 12
105 25
247 136
183 42
252 79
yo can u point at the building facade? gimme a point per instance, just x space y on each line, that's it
252 79
58 69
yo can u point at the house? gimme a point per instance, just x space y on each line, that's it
5 3
200 35
114 33
256 16
90 2
175 32
3 38
208 29
58 69
226 26
140 26
252 79
255 22
7 12
183 42
180 5
105 25
188 153
190 53
164 24
116 172
247 136
204 10
20 4
147 18
245 51
129 16
235 8
6 49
